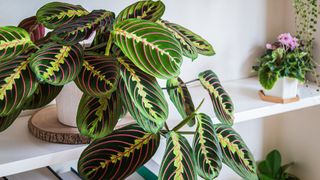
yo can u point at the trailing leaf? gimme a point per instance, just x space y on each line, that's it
144 91
143 122
148 10
119 154
83 27
17 84
32 26
55 14
43 95
57 64
206 148
13 42
6 121
149 46
99 75
97 117
188 49
178 161
181 98
202 46
222 103
235 152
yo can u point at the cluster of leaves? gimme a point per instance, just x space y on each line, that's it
306 20
118 73
282 62
270 168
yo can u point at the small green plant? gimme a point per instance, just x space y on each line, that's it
283 58
271 169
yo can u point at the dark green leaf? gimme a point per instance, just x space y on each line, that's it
222 103
181 98
55 14
119 154
44 94
178 161
188 49
97 117
56 64
144 91
148 10
235 152
145 123
17 84
6 121
13 42
149 46
83 27
99 75
206 148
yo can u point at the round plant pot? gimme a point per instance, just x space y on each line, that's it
285 88
67 104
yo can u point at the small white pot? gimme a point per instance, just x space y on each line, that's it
285 88
67 104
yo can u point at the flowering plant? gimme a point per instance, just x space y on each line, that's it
284 58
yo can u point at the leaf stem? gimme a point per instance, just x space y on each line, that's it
186 120
182 84
166 126
109 43
187 132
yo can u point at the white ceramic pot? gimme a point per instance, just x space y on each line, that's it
284 88
67 104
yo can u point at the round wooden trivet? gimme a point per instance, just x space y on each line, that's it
44 125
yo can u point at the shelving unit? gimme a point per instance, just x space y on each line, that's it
20 151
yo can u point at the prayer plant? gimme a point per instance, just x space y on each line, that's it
118 73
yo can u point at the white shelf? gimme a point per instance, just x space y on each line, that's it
248 105
20 151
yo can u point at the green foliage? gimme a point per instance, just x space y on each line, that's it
281 63
118 74
270 168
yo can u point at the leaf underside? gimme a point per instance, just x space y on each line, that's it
35 30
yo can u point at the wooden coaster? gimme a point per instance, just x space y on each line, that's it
44 125
277 99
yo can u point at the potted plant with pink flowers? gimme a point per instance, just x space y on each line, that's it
282 67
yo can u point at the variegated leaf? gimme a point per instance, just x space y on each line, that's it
119 154
57 64
13 42
178 161
6 121
235 152
44 94
32 26
55 14
188 49
143 122
222 103
206 148
97 117
83 27
181 98
148 10
17 84
202 46
99 75
145 92
149 46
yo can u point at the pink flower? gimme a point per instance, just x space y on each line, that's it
289 41
269 46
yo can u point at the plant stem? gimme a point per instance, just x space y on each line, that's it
186 120
183 84
96 47
166 126
107 52
187 132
